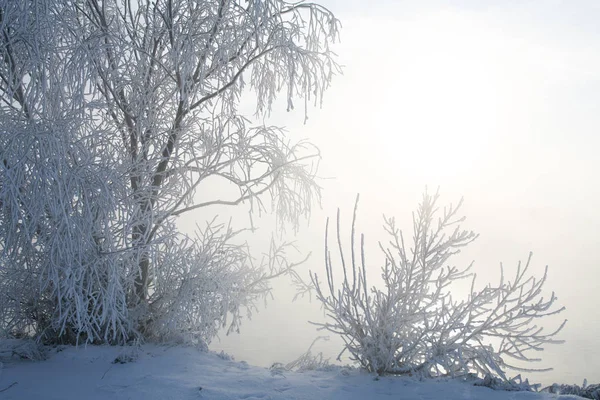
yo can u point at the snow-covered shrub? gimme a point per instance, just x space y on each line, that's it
22 350
225 356
277 369
515 384
414 325
309 361
128 354
585 391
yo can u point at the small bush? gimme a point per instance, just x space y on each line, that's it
22 350
128 354
309 361
586 391
516 384
414 325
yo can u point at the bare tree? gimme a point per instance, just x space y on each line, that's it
414 325
150 91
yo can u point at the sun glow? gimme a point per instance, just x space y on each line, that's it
437 103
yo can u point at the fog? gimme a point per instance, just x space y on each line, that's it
497 102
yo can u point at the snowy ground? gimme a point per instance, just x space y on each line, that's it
184 373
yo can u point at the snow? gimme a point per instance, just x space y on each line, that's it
182 373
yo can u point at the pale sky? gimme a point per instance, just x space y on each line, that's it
496 101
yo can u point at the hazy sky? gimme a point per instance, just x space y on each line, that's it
496 101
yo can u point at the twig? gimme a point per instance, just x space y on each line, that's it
8 387
106 372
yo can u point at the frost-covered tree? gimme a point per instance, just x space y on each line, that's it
114 114
60 261
414 324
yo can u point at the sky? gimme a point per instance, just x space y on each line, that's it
494 101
